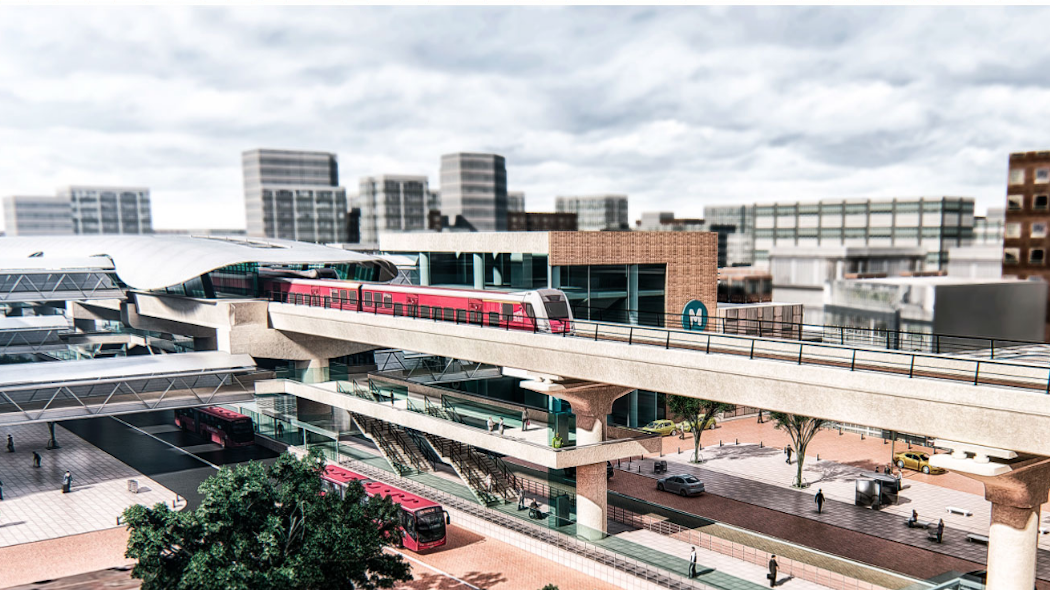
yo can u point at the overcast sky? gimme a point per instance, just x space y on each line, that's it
677 108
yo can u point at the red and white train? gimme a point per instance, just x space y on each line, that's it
422 521
540 310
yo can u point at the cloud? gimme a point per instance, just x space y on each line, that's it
676 107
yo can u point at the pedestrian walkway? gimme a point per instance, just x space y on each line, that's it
844 514
35 509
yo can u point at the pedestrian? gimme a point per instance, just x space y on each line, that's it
489 424
787 451
692 563
67 482
488 483
772 575
36 459
521 498
819 499
1 491
10 444
914 520
940 530
280 430
501 426
524 420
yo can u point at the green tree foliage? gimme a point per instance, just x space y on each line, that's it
801 430
268 528
696 412
549 587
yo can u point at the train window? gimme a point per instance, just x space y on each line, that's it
411 311
493 318
529 311
387 301
435 313
508 309
353 297
461 316
424 311
367 295
474 317
398 309
448 314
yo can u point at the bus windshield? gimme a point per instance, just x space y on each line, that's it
430 525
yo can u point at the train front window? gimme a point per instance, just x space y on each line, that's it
240 430
430 525
556 307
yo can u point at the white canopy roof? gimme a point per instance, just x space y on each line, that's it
131 367
149 262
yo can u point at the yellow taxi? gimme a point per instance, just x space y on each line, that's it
917 461
661 427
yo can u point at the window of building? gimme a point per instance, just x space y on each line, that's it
1042 175
1036 256
1011 255
1039 202
1038 229
1013 230
1015 202
1017 176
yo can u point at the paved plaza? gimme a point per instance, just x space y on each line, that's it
34 507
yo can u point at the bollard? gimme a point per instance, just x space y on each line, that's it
737 442
862 436
719 442
818 456
661 452
679 449
639 468
885 442
760 445
840 431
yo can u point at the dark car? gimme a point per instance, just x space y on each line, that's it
683 485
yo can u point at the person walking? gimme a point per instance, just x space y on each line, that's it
36 459
819 499
914 520
489 424
501 426
787 451
488 483
521 498
1 491
67 482
10 444
772 575
692 563
940 530
280 430
524 420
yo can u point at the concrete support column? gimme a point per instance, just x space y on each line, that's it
632 415
592 489
424 269
479 272
1016 496
314 370
632 293
553 277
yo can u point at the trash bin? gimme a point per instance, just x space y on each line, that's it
660 467
133 486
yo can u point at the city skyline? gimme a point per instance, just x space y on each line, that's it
677 108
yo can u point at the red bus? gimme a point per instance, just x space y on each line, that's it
540 310
222 426
422 521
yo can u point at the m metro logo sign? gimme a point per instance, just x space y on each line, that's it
694 316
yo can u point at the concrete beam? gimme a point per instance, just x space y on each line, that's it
1000 417
531 452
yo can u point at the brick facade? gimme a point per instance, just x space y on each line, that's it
1028 208
691 259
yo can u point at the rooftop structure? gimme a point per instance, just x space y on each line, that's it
533 221
596 213
976 262
1027 237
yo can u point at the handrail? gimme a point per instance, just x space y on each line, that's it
672 338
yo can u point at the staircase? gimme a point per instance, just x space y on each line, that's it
490 482
394 443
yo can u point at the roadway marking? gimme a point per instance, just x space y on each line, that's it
162 441
428 566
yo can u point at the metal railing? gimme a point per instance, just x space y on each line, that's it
827 333
911 364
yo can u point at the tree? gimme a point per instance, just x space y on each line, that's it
801 430
268 528
696 412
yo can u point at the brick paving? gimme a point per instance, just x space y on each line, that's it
64 557
34 507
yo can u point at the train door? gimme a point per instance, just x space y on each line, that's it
475 315
411 305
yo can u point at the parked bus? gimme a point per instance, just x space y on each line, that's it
219 425
422 521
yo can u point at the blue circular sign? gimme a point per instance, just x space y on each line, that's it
694 316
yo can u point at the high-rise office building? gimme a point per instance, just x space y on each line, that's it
515 201
38 216
294 195
109 209
596 213
474 187
392 202
933 223
1027 232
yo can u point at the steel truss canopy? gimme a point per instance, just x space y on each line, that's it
152 262
32 334
35 392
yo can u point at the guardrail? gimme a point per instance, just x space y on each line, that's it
911 364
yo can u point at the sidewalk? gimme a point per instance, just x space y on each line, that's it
34 507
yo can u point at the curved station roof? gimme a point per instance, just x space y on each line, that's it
151 262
